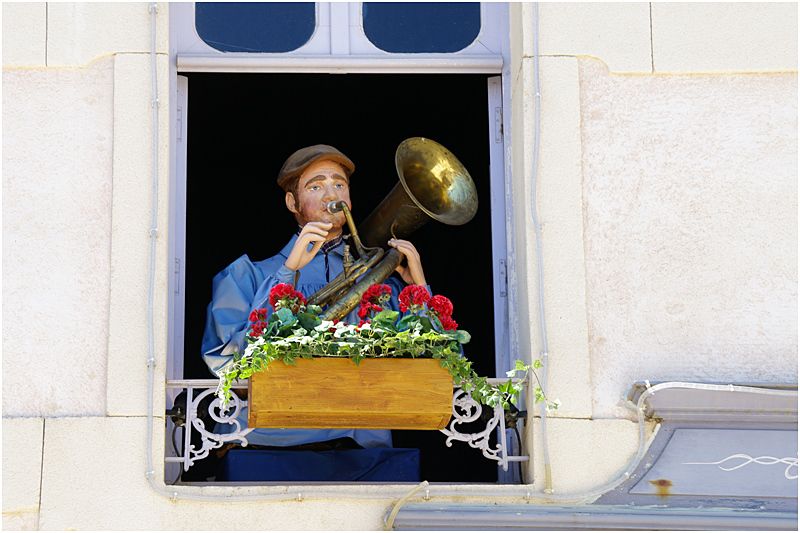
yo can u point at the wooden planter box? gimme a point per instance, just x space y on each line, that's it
335 393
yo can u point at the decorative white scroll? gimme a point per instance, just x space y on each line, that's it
211 440
745 459
466 410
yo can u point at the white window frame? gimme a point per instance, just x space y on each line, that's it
339 45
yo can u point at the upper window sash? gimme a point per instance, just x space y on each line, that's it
339 32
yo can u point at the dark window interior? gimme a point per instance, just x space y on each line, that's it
418 27
255 26
241 128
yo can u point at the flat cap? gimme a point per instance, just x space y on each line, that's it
302 159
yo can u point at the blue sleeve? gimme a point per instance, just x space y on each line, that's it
235 292
261 298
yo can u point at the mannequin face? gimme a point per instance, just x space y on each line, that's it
322 182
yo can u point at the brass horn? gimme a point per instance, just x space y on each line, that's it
433 184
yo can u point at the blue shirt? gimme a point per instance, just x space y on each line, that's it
244 286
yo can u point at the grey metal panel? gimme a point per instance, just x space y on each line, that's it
755 428
725 462
750 433
593 517
736 407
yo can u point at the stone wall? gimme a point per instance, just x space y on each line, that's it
666 192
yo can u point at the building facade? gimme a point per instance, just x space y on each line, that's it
640 171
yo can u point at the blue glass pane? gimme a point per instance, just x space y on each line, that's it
256 26
421 27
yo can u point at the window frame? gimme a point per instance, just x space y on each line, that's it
339 32
347 53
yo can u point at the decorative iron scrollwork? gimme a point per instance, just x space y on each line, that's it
211 440
466 410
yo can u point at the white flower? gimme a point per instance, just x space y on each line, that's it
325 325
552 406
365 327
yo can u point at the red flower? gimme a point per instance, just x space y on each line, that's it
362 322
258 314
448 323
257 329
374 299
377 294
413 297
285 294
441 305
279 292
366 308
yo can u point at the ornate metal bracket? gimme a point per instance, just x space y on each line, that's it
466 410
209 439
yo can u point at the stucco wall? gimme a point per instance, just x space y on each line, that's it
717 188
690 198
56 233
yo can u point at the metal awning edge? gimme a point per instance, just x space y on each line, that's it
546 517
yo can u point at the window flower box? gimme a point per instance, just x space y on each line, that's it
333 392
388 372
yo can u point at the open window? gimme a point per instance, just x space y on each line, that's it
234 131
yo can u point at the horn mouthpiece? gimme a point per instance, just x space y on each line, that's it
334 206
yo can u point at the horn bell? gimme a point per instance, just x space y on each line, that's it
433 184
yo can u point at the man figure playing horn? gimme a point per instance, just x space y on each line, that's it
311 177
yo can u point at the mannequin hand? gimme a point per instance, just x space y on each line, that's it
312 232
412 274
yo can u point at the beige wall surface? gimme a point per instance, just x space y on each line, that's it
24 33
57 139
690 190
22 466
724 36
672 36
668 208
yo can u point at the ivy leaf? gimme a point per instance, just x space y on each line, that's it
462 336
407 322
520 365
273 327
314 309
285 316
386 319
308 321
427 325
537 364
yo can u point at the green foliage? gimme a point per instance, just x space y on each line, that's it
305 335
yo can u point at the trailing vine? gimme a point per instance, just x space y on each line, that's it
427 330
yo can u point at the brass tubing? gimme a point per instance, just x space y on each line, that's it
382 270
343 282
